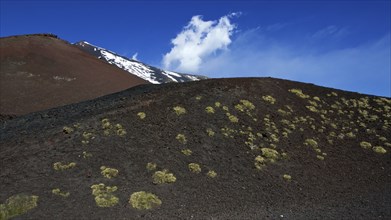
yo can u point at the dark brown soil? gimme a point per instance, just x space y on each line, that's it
350 183
39 72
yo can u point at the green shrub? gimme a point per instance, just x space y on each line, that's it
365 145
141 115
58 192
210 110
379 150
270 154
210 132
108 172
259 162
269 99
160 177
151 166
218 104
17 205
311 142
233 119
143 200
104 195
211 174
181 138
194 167
179 110
299 93
186 152
60 166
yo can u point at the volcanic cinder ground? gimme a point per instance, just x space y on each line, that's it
258 148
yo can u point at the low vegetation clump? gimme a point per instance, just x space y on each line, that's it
365 145
164 176
151 166
108 172
211 174
86 155
67 130
270 154
244 106
186 152
210 110
233 118
143 200
181 138
379 150
198 97
120 130
179 110
218 104
299 93
269 99
104 196
141 115
58 192
287 177
320 157
106 124
210 132
194 167
60 166
259 162
17 205
312 143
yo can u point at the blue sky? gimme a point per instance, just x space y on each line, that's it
339 44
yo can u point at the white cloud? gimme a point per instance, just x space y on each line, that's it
134 57
365 68
197 41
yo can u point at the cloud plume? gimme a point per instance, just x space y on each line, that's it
197 41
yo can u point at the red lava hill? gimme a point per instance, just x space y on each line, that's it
40 71
257 148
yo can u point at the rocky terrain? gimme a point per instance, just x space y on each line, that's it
256 148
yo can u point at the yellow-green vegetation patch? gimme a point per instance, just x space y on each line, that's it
287 177
179 110
311 142
379 150
316 98
120 130
151 166
210 132
181 138
108 172
244 105
58 192
141 115
194 167
299 93
259 162
106 123
60 166
186 152
211 174
233 118
218 104
17 205
104 196
144 200
164 176
210 110
67 130
320 157
269 99
270 154
86 154
198 97
365 145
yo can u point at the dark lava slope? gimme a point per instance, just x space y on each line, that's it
41 71
266 149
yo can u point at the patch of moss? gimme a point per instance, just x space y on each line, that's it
365 145
198 97
287 177
299 93
186 152
233 119
67 130
194 167
143 200
320 157
218 104
160 177
311 142
379 150
86 154
58 192
141 115
88 135
108 172
104 196
179 110
259 162
210 110
151 166
211 174
269 99
60 166
181 138
270 154
17 205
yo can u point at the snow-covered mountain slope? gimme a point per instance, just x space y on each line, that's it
142 70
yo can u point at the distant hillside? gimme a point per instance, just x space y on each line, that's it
40 71
257 148
151 74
